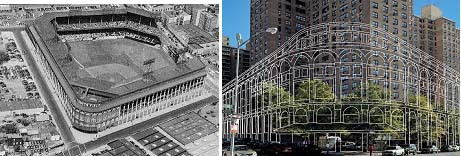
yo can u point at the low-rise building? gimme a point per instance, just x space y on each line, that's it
29 107
176 17
15 141
161 8
42 117
208 21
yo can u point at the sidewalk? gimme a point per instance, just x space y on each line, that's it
358 153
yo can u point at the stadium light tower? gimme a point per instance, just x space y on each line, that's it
235 117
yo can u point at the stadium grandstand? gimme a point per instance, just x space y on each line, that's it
113 66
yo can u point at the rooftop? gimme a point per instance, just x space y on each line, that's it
20 105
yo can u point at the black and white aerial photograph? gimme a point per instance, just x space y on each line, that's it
109 79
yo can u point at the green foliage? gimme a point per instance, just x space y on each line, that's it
278 98
352 97
425 107
275 96
374 92
315 90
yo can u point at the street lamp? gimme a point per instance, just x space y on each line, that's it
235 117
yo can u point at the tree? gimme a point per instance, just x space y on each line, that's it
3 57
438 129
11 46
315 90
275 96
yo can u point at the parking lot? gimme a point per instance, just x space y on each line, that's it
16 82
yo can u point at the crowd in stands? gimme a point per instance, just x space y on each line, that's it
109 35
116 24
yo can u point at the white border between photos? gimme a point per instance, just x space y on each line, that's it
220 103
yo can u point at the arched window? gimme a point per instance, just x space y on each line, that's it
424 123
351 115
301 116
376 116
397 119
284 118
324 115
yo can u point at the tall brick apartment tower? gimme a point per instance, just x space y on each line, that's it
289 16
436 35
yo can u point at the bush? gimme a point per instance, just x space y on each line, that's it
11 46
4 57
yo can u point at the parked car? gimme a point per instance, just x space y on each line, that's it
447 148
430 149
349 146
409 149
225 142
239 150
307 149
456 147
261 148
278 149
394 151
359 146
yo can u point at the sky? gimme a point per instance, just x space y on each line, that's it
236 15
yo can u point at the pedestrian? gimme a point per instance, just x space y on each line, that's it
371 149
305 142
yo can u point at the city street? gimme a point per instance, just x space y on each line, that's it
379 154
64 129
443 154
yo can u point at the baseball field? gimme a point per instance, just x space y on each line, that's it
103 64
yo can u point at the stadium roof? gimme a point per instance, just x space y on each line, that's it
44 32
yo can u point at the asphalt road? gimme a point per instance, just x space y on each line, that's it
435 154
442 154
379 154
46 93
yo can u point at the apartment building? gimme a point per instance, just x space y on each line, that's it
229 60
289 16
436 35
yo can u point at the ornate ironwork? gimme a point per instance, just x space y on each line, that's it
347 56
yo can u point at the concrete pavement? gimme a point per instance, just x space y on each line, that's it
45 92
379 153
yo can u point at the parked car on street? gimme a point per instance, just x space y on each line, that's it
239 150
447 148
430 149
277 149
456 147
306 149
410 149
349 146
394 151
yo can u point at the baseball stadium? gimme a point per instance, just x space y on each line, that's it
350 82
112 66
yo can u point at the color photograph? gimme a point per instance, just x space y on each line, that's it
340 77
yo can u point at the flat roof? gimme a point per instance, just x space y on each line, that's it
194 33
